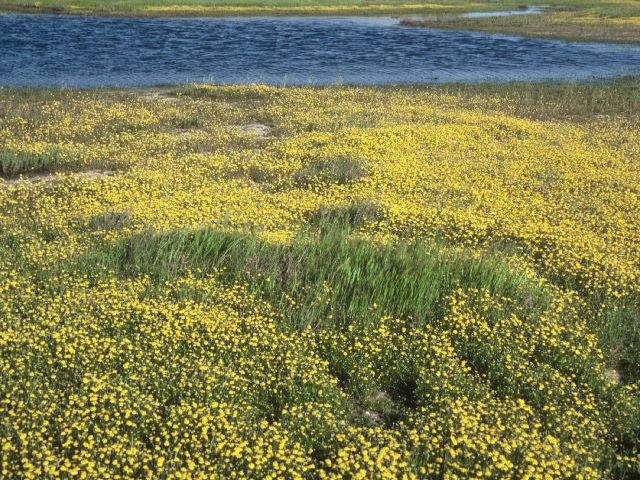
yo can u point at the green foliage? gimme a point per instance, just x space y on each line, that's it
405 281
14 162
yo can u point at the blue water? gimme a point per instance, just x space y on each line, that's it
50 50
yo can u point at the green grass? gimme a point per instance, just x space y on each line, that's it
13 163
567 101
326 283
230 7
570 20
406 281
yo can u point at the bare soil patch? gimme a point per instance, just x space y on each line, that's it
163 95
256 129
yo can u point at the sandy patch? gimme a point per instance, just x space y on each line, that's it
256 129
162 95
613 376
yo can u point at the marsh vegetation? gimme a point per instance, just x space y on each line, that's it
421 281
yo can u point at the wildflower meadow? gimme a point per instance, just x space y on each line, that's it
320 282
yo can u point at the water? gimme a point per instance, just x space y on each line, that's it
507 13
50 50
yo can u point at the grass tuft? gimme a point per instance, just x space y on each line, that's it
407 281
337 171
14 163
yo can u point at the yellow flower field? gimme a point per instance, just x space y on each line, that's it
340 282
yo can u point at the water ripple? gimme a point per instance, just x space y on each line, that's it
50 50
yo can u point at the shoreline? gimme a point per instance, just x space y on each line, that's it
572 21
479 88
567 31
380 10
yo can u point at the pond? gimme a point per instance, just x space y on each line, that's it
54 51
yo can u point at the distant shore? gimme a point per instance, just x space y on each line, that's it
158 8
569 20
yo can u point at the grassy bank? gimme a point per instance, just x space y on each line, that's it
236 7
320 282
573 19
